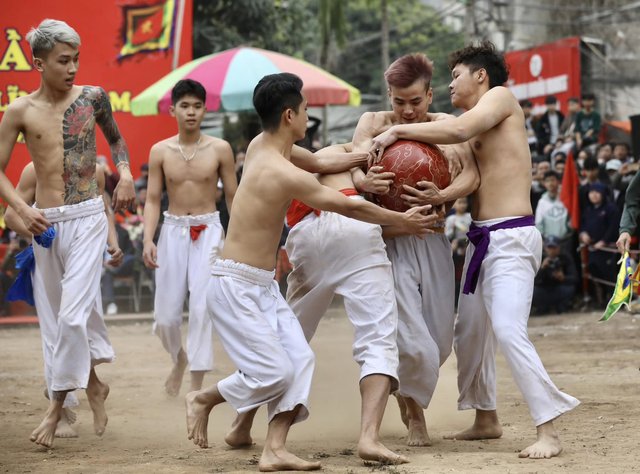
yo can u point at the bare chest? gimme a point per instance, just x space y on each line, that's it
43 130
55 130
201 171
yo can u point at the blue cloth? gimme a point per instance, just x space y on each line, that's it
46 238
479 236
22 288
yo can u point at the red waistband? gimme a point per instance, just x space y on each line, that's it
299 210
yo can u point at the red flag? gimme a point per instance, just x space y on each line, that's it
146 24
569 192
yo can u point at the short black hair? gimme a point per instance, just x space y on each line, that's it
590 163
482 56
588 96
273 95
188 87
551 174
550 99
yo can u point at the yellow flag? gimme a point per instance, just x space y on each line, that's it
622 291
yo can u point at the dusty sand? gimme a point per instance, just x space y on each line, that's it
598 363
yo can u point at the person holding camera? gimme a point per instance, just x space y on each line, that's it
555 283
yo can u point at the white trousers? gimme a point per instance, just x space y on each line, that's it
425 292
332 254
99 343
66 287
184 267
263 338
497 314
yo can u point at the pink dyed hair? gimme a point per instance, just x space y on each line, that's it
409 68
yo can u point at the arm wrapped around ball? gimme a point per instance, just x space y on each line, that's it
309 191
465 183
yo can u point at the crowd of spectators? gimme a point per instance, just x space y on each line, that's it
580 260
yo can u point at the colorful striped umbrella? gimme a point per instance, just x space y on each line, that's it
229 78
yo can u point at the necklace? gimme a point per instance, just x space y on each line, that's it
189 158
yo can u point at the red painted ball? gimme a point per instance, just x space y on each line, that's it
412 162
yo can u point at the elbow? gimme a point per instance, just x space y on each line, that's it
321 166
460 134
10 219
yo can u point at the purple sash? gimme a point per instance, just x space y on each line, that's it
479 236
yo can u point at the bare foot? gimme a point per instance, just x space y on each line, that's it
542 449
477 432
283 460
403 410
376 451
240 434
197 419
64 429
70 415
485 426
97 393
418 435
174 380
44 434
547 445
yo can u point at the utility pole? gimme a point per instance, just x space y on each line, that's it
384 11
470 22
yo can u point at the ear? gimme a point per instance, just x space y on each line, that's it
38 64
288 115
172 110
430 96
482 75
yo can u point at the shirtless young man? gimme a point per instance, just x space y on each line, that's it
99 343
423 269
189 164
58 122
504 228
359 270
258 330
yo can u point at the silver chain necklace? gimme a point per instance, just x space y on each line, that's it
189 158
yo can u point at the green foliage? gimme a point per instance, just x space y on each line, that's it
414 27
286 26
344 36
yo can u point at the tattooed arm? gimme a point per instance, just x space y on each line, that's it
124 194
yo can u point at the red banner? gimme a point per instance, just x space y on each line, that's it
548 69
106 29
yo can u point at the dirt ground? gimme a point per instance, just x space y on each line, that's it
598 363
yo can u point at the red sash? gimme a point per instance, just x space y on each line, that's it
299 210
195 230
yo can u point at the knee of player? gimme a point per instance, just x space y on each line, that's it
282 379
509 333
305 359
72 325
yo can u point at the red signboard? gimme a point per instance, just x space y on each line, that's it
126 46
548 69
